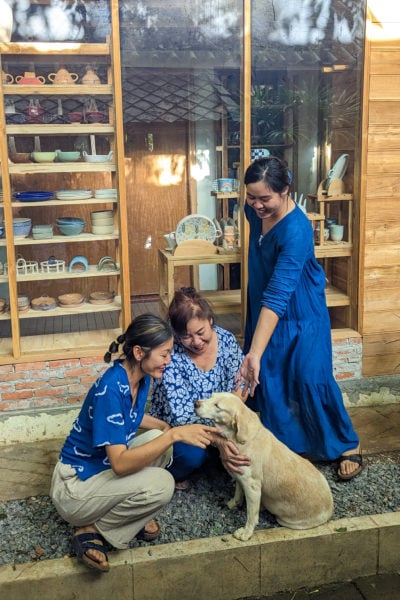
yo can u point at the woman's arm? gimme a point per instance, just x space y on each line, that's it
125 460
149 422
249 371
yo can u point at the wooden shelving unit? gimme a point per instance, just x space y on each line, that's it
19 56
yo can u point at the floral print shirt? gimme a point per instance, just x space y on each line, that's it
183 382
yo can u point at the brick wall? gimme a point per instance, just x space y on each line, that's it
64 383
47 384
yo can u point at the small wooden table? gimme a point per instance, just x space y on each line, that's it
222 301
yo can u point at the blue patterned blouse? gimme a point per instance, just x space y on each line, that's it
183 382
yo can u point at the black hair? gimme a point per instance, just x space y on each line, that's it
188 304
271 170
147 331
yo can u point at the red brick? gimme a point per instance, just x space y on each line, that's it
76 372
70 362
6 369
16 395
35 366
92 361
17 405
29 385
47 402
51 392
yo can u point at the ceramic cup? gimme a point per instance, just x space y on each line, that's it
336 232
171 241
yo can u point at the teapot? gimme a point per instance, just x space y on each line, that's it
90 78
63 76
29 78
6 77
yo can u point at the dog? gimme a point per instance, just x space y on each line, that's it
288 486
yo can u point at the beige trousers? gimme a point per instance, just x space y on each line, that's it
119 507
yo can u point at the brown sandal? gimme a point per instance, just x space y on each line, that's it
355 458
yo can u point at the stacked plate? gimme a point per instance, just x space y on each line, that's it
102 222
73 194
106 193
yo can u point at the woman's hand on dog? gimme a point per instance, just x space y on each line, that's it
231 458
195 435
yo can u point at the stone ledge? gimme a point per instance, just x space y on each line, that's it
221 568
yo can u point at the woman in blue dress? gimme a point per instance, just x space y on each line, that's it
288 363
206 359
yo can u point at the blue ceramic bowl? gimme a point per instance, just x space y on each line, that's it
71 228
22 227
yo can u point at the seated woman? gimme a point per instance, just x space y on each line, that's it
206 359
109 481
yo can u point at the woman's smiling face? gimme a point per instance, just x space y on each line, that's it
199 333
265 202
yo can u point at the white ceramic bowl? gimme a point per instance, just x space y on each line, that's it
96 158
101 214
102 229
108 221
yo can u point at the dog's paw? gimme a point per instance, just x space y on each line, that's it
243 534
231 504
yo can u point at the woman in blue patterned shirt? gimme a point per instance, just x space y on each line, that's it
206 359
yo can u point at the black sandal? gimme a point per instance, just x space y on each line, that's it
85 541
355 458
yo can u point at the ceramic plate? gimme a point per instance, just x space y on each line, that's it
195 227
32 196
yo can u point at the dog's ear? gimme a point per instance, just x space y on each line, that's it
241 428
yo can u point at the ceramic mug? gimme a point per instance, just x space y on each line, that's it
171 241
336 232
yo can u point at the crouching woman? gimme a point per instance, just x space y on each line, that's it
110 481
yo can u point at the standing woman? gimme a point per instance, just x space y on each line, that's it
109 481
288 363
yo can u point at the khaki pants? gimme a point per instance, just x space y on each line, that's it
119 507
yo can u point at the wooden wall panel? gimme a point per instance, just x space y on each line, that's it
384 112
380 253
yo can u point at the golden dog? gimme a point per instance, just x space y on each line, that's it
289 486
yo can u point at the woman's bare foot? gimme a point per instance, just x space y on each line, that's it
350 468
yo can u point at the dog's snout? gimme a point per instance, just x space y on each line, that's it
197 404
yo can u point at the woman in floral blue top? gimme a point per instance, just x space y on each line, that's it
205 359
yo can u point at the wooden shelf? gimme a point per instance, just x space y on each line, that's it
92 271
60 129
333 249
44 55
52 89
48 168
335 297
54 48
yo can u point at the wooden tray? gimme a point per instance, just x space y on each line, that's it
195 248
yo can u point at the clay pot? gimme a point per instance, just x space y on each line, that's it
63 77
90 78
6 78
29 78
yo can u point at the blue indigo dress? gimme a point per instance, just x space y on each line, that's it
298 397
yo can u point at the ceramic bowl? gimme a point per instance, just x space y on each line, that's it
23 302
75 117
67 156
106 221
20 157
96 158
21 226
70 225
100 214
101 297
70 299
43 156
95 116
102 229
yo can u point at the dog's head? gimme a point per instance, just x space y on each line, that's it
229 413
